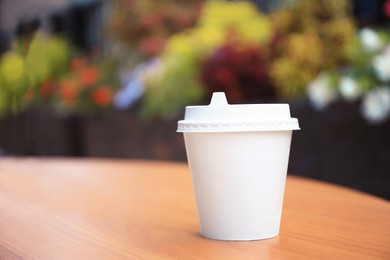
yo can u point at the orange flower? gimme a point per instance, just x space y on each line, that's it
68 92
151 45
78 63
102 96
89 76
29 95
47 88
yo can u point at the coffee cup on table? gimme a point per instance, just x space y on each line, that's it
238 157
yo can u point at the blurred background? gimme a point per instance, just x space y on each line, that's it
94 78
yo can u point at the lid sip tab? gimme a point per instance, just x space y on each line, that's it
218 99
220 116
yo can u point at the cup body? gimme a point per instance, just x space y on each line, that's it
238 180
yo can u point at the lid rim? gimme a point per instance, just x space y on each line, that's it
241 105
238 126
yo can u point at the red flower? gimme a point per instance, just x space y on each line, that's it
224 76
241 72
386 8
102 96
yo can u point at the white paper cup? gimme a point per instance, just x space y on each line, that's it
238 157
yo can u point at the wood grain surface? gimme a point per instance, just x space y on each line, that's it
123 209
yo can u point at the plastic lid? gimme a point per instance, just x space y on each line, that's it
219 116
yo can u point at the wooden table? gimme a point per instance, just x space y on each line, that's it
113 209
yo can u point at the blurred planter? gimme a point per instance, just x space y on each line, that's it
39 132
43 132
337 145
125 134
